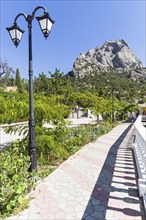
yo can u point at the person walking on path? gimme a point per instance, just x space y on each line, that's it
133 117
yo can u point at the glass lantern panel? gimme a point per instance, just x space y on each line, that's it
43 24
49 25
12 33
19 34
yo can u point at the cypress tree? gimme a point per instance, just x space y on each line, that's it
18 81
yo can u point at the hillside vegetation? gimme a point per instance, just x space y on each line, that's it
56 96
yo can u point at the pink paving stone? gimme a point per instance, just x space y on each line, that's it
60 215
41 192
46 212
43 212
50 216
40 188
72 204
47 195
45 198
91 159
103 141
33 216
39 200
80 207
53 203
96 148
42 205
76 175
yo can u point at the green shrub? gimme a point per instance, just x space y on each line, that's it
48 150
14 181
55 145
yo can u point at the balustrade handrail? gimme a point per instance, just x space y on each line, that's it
14 124
4 139
140 127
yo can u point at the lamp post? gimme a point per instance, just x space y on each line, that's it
15 32
113 117
112 91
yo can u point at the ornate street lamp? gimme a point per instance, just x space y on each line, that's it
113 92
113 115
15 33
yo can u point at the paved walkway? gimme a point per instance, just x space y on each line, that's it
98 182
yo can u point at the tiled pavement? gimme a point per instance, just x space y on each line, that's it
98 182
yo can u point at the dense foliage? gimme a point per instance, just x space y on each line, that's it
57 144
56 96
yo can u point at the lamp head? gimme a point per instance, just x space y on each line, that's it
46 23
15 33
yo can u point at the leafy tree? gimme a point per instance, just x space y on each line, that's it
6 74
41 84
56 81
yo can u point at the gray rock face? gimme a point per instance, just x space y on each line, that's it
112 54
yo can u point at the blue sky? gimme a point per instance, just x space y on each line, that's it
79 26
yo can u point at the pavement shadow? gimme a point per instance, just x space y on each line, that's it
100 200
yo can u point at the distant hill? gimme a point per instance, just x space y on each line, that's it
113 54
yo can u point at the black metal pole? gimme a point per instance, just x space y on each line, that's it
32 141
113 119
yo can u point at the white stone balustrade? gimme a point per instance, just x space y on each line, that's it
8 138
139 149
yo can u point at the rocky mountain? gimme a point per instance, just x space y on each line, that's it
113 54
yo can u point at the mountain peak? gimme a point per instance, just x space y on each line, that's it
121 41
112 54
